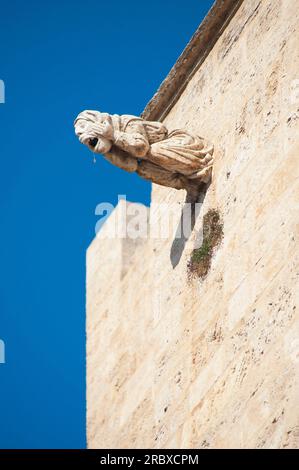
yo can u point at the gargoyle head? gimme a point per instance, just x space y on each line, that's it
88 125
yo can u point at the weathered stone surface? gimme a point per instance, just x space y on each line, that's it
191 58
212 363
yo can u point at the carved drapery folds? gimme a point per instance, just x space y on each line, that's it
177 159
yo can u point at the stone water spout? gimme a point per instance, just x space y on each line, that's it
178 159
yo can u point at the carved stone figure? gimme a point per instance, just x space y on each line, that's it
177 159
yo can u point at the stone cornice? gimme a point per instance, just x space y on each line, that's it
191 58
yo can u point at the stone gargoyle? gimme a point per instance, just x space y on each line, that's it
177 159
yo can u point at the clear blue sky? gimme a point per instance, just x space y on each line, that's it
56 59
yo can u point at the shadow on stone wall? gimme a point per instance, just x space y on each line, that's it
181 238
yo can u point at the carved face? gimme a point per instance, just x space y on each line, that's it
88 129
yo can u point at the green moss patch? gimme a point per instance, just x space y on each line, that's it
200 261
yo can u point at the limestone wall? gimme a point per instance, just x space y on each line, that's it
214 362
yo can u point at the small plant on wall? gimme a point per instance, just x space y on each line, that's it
200 260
